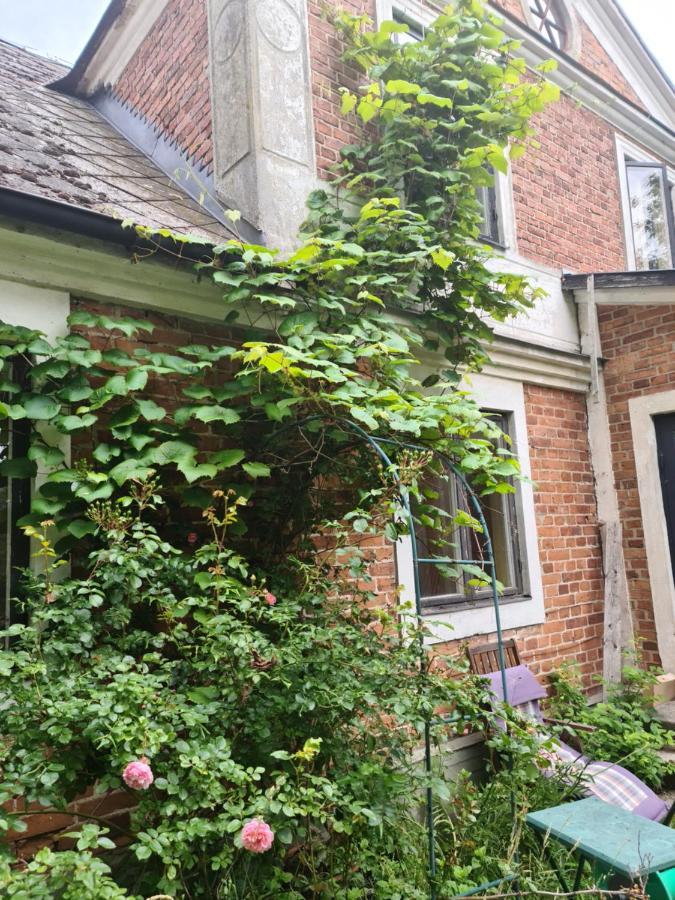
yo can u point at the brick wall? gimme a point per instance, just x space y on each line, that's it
167 80
637 344
566 193
329 74
592 55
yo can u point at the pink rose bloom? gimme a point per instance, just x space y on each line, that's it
270 599
257 836
193 537
138 774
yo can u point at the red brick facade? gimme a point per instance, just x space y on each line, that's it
592 55
167 80
566 193
637 344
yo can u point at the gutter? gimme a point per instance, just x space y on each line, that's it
614 280
26 207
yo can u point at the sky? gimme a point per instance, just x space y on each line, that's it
60 28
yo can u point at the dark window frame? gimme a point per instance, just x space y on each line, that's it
490 204
664 429
471 596
18 545
415 29
552 22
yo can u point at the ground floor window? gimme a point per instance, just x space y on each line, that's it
14 503
438 535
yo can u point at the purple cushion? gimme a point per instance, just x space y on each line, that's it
521 685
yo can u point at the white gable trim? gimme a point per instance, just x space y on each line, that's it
614 33
119 45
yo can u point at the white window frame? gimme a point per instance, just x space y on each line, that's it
466 620
625 151
424 14
642 411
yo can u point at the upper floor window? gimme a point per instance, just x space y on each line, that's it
651 214
406 13
490 228
415 30
550 20
647 188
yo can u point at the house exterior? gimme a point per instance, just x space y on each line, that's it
179 109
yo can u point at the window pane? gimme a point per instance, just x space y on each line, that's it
415 30
649 217
434 583
489 226
454 542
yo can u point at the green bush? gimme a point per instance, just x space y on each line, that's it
626 730
302 712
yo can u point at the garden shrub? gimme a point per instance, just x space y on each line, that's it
247 689
626 730
235 699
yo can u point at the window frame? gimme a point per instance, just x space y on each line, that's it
18 505
500 211
471 595
631 154
572 45
559 13
476 617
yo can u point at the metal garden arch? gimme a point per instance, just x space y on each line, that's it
376 444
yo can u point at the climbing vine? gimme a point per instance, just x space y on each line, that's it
218 654
389 269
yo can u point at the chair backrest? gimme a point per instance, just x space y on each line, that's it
484 658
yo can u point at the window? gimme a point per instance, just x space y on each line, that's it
489 226
651 214
14 503
408 13
415 29
550 21
445 585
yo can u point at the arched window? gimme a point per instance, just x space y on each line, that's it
551 22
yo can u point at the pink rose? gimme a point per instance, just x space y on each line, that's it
138 774
270 599
193 537
257 836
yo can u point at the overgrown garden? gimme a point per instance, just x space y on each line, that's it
217 651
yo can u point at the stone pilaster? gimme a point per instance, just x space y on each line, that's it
262 112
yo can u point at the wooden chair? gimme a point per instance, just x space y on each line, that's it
484 658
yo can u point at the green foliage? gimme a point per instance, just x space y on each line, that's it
626 730
304 713
389 266
69 875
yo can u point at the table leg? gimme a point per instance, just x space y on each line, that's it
548 853
579 872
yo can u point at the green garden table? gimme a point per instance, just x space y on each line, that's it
613 842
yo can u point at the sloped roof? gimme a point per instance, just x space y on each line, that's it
60 148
